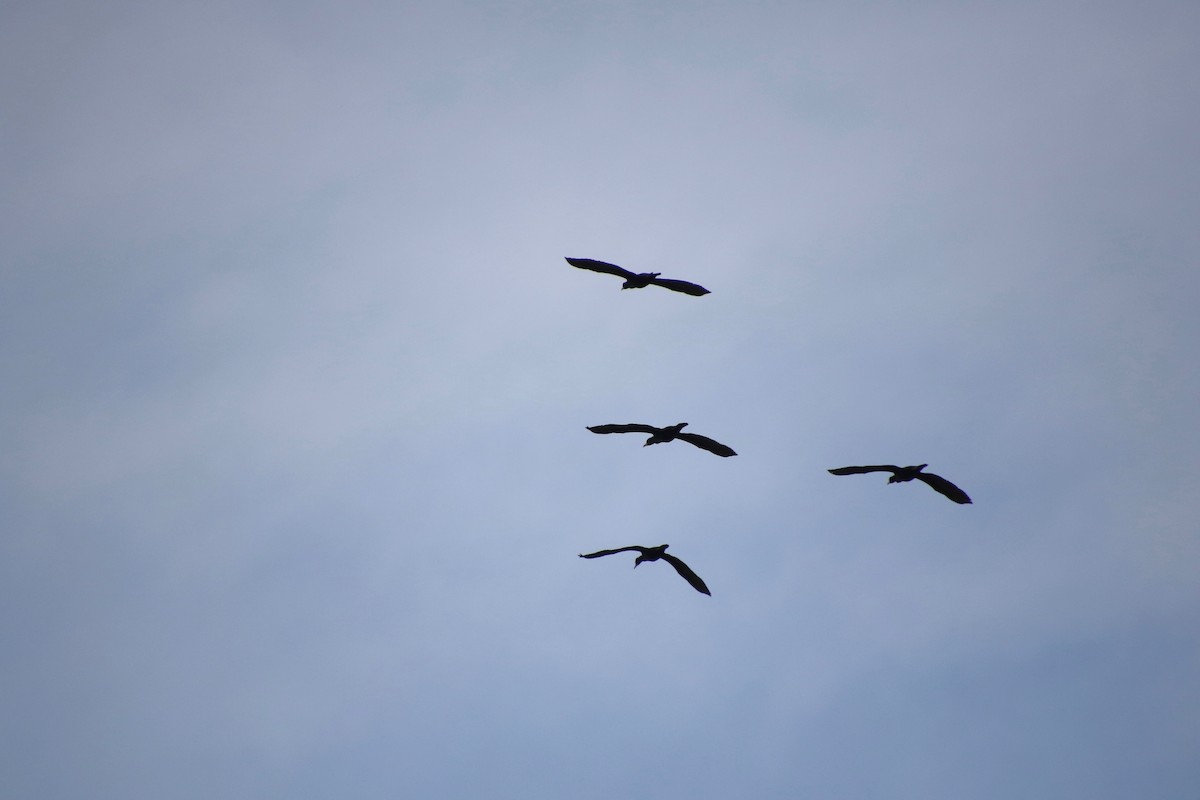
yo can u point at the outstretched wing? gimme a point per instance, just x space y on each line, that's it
599 553
686 573
859 470
705 443
600 266
694 289
632 427
940 484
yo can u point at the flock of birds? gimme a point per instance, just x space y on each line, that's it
640 280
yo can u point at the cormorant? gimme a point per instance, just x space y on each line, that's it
638 280
667 434
902 474
654 554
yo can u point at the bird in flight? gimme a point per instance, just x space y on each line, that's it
667 434
638 280
902 474
654 554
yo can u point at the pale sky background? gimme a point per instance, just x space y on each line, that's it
294 384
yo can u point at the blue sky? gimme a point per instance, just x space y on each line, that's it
296 385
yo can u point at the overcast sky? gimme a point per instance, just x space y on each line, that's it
294 387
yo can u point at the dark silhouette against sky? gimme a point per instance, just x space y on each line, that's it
667 434
657 554
293 382
903 474
638 280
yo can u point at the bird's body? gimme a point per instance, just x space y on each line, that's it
656 554
638 280
667 434
905 474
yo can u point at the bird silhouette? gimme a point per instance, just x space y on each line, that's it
902 474
638 280
655 554
667 434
